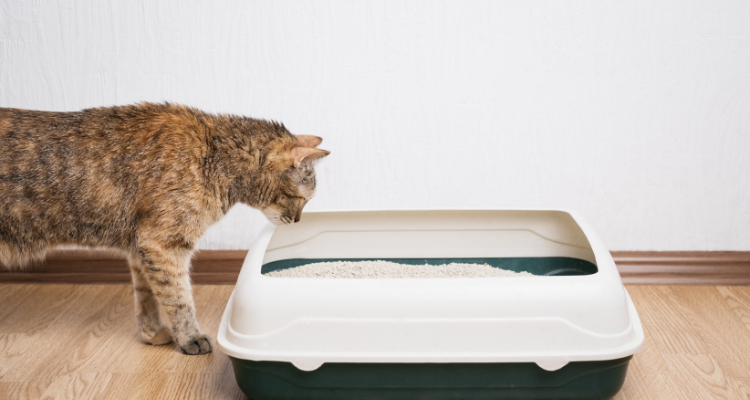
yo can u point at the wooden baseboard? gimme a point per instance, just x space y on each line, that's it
217 267
684 267
223 266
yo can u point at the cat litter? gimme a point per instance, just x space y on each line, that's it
567 330
386 269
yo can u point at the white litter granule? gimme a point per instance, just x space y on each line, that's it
387 269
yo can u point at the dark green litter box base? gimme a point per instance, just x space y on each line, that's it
267 380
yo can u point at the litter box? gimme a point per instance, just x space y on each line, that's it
568 333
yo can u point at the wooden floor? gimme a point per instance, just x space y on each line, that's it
81 342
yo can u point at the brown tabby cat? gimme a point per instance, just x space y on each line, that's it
148 179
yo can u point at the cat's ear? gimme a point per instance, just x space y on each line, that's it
309 140
306 155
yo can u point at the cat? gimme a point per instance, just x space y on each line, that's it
147 179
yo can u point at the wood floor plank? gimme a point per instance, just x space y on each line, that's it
741 388
43 303
143 385
699 376
41 344
83 386
664 319
6 389
14 298
192 386
53 350
14 349
92 331
725 336
86 345
30 389
648 376
8 290
738 299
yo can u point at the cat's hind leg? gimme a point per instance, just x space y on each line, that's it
167 272
147 308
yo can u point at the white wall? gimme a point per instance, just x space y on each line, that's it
636 113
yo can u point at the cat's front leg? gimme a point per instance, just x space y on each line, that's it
168 274
147 309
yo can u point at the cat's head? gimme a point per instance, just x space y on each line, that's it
294 179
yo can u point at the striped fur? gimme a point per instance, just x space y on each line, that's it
147 179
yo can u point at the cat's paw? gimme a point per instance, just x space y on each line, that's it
198 345
162 337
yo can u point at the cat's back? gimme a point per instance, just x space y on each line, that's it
19 125
35 143
123 145
96 134
27 132
132 122
77 176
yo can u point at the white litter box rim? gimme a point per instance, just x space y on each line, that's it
308 361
